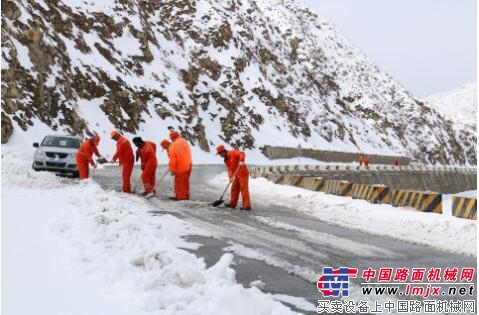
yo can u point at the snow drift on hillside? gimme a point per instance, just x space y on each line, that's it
246 73
459 105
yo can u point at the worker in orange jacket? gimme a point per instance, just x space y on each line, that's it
234 160
180 165
124 155
85 155
147 152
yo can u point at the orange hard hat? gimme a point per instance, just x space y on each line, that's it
165 144
96 139
114 133
173 135
220 149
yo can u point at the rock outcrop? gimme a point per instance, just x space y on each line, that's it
244 72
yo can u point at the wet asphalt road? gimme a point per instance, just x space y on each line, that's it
293 246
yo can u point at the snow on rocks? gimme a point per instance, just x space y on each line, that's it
78 249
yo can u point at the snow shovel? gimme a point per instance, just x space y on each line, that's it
136 185
159 181
162 176
101 160
220 201
90 175
153 193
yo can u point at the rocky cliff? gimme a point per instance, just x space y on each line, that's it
243 72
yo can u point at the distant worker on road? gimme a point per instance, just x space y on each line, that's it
360 160
147 153
238 173
366 162
180 164
85 155
124 155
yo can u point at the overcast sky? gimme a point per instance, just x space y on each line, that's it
427 45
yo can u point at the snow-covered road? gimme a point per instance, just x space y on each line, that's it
292 241
83 248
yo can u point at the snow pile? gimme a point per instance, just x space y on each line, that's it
459 105
73 248
439 231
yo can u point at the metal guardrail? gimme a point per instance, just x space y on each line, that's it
285 169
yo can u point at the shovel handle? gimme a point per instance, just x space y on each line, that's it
231 180
162 176
136 185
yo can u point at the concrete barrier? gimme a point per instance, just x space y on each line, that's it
361 191
292 180
337 187
273 153
312 183
421 200
379 194
464 207
405 198
429 202
275 178
424 201
372 193
446 180
345 188
331 186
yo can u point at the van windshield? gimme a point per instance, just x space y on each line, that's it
61 142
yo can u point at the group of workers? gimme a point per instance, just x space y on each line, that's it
179 165
364 160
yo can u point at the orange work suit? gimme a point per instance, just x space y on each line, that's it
240 183
124 154
149 164
180 164
85 156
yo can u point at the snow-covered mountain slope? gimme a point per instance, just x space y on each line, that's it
459 105
242 72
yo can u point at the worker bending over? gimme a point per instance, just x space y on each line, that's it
238 172
85 155
147 152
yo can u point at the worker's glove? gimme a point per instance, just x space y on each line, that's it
241 163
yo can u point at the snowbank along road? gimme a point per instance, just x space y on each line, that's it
283 250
